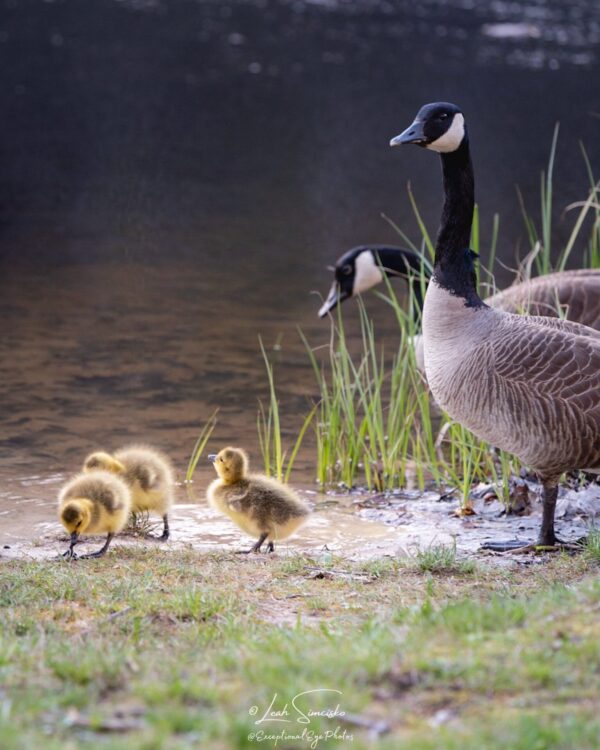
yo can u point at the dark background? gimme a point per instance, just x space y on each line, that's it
255 133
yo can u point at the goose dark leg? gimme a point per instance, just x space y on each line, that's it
547 539
256 547
100 552
270 547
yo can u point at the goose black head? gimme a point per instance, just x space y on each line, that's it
355 271
439 127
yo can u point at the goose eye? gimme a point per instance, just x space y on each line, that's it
443 116
347 270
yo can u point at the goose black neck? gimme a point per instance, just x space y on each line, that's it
396 261
454 268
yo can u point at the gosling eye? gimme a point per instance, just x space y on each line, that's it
347 269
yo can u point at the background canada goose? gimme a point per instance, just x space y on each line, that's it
147 472
529 385
259 505
575 293
362 268
97 502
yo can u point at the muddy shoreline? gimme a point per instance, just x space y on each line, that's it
356 525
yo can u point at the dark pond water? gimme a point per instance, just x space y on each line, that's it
176 175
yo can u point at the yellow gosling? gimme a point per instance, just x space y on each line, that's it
97 502
260 506
149 474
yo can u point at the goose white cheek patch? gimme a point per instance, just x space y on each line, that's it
366 273
452 138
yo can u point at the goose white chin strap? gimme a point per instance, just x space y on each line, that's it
366 273
452 138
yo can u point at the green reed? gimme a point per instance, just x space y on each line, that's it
277 462
367 406
200 445
541 254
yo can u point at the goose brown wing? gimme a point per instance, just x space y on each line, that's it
551 358
576 293
548 382
568 326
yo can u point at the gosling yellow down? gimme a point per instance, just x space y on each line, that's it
148 473
260 506
97 502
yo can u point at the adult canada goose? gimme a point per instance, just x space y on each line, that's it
363 267
528 385
575 293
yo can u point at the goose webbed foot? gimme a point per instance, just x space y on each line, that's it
547 540
517 546
509 545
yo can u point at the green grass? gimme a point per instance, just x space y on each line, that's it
592 547
151 650
441 558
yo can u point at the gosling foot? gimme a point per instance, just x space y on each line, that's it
99 553
164 536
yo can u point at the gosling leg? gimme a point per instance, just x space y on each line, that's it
74 540
256 547
166 533
101 551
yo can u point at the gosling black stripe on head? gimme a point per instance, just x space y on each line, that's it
362 267
441 127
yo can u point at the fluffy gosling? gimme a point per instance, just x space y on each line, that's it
260 506
149 474
97 502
